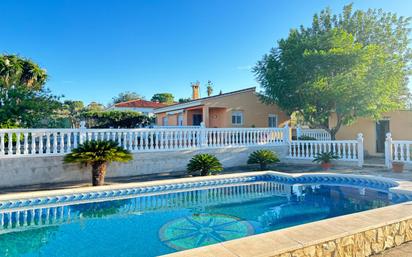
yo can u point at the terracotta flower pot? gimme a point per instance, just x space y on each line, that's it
397 166
326 165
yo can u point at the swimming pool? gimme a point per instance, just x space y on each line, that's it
157 219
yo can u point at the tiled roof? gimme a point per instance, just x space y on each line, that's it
140 103
209 97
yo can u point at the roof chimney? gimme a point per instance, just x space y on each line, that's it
195 90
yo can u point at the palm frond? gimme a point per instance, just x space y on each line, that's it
98 151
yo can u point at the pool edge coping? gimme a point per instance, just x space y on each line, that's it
401 184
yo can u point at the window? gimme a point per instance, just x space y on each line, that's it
180 119
237 118
272 121
165 121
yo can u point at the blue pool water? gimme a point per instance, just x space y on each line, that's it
157 224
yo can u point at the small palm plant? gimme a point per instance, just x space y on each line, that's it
98 154
325 159
206 164
263 158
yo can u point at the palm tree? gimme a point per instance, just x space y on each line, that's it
209 88
206 164
98 154
17 71
263 158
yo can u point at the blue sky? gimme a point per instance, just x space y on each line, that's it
94 50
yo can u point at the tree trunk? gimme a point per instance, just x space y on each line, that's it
98 173
204 172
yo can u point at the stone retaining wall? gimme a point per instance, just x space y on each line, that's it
361 244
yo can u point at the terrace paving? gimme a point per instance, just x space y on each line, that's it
404 250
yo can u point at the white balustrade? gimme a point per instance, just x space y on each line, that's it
397 151
318 134
346 150
52 142
228 137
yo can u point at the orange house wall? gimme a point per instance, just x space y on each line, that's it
255 113
400 124
217 118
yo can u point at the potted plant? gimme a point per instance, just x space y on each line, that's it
325 159
397 166
263 158
205 164
98 154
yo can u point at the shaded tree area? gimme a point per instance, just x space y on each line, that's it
167 98
355 64
115 119
24 101
126 96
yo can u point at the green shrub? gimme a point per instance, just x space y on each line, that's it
115 119
307 138
98 154
263 158
205 164
325 157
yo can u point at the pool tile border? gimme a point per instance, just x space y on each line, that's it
110 192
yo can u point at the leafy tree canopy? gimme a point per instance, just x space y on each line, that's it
126 96
24 101
115 119
71 111
163 98
184 100
351 65
95 107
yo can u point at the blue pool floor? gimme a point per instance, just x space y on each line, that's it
120 228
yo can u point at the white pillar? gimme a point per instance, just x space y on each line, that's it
203 135
360 150
388 150
286 134
82 131
298 132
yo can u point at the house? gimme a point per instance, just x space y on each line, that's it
241 108
139 105
398 123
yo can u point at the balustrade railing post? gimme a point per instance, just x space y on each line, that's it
82 131
203 136
298 132
360 149
388 150
286 134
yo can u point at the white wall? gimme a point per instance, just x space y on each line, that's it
39 170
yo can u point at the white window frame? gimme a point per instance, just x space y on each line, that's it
276 118
237 114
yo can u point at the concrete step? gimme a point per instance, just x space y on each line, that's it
374 165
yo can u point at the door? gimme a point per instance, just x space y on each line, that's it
197 119
382 127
